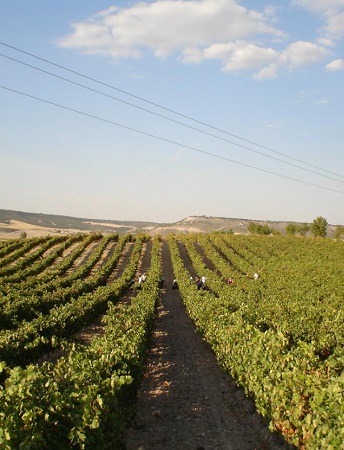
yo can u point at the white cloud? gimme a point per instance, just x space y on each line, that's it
198 30
320 5
192 55
274 124
311 96
333 66
302 53
335 26
307 94
325 42
297 54
323 101
240 55
168 26
271 12
267 73
332 12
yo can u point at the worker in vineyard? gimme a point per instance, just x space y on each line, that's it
255 276
199 283
140 282
174 284
230 281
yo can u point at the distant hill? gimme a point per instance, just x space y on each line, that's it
15 222
205 224
12 223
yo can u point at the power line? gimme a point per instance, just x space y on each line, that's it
167 118
172 111
166 140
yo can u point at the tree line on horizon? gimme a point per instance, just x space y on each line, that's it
318 228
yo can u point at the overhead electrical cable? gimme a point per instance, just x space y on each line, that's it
166 140
167 118
169 110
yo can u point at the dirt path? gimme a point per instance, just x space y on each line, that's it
186 402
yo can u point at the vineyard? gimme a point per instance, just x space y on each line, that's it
76 327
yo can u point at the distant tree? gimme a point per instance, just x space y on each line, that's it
230 231
339 231
256 228
291 229
253 227
264 229
23 235
319 227
303 229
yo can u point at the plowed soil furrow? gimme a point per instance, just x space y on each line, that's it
82 259
186 401
105 255
145 259
207 261
186 258
122 262
66 253
96 329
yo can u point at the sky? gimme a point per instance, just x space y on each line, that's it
163 109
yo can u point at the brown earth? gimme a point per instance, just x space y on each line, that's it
186 402
14 228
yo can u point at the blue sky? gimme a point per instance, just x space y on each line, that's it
173 108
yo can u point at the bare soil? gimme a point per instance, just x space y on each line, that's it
186 402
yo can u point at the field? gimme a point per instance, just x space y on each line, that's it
75 331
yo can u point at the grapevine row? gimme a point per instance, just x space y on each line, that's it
84 400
